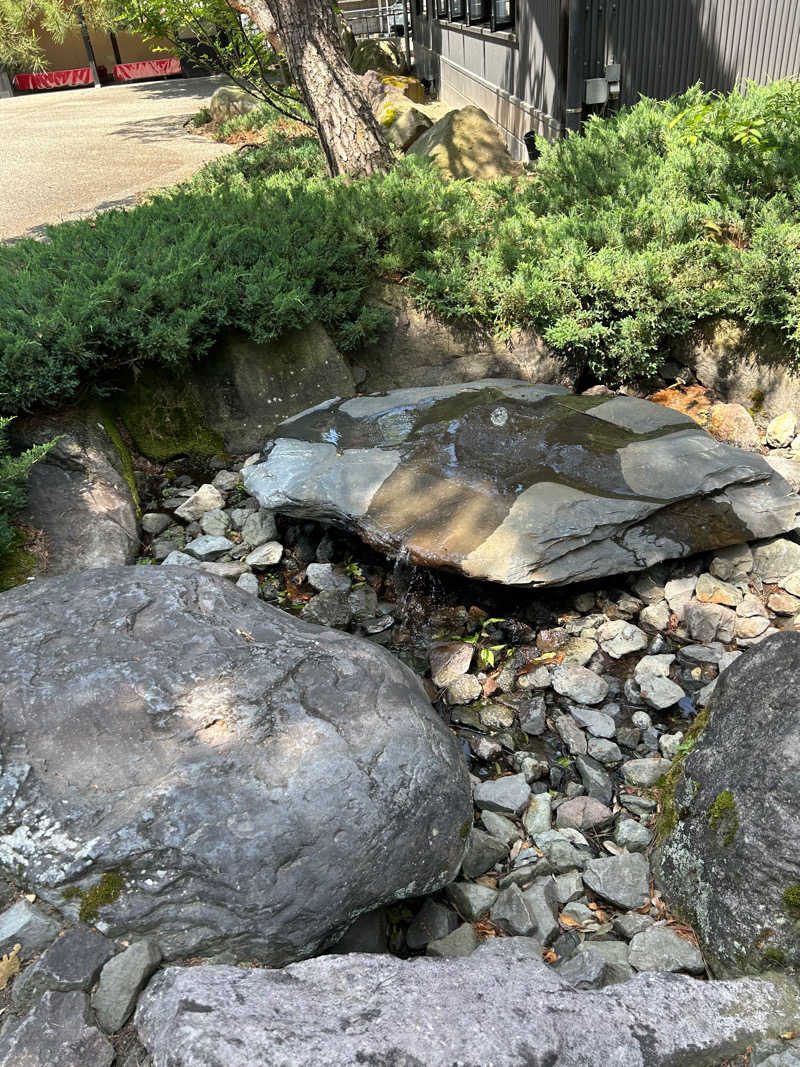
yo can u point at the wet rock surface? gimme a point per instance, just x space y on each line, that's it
378 1010
183 761
520 484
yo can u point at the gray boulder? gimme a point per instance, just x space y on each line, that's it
730 863
520 484
56 1033
79 494
192 765
500 1005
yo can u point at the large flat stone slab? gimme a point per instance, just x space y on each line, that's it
520 484
499 1006
183 762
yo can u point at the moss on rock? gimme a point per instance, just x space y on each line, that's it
723 818
671 813
791 899
16 564
109 424
107 890
165 418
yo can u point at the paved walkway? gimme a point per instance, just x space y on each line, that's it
71 153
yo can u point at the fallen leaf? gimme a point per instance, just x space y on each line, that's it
549 956
245 635
30 897
567 920
9 965
790 1035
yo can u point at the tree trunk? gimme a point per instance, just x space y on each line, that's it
351 137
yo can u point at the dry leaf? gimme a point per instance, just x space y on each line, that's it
30 897
245 635
567 920
549 956
790 1035
9 965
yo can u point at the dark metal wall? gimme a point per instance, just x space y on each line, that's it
664 46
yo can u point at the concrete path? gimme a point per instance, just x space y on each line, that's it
70 153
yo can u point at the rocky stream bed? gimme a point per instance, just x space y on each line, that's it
549 857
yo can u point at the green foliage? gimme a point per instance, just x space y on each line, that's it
791 898
13 476
723 818
20 20
107 890
618 243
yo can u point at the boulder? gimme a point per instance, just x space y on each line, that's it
521 484
499 1005
229 101
381 54
420 349
81 495
466 144
185 763
238 394
730 862
733 425
403 125
57 1031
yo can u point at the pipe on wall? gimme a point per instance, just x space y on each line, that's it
574 94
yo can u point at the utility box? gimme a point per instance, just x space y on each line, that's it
596 91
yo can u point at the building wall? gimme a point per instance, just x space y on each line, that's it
663 47
70 53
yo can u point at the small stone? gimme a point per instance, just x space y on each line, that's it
248 582
585 970
265 555
596 722
541 901
710 622
776 559
615 953
584 602
596 780
26 925
449 661
583 813
226 481
464 690
571 734
732 564
678 593
644 772
751 627
655 617
579 684
121 981
54 1033
532 716
641 720
215 523
783 604
552 640
660 949
578 651
537 679
462 942
484 748
632 835
322 576
500 827
73 961
259 528
619 638
431 923
538 817
207 498
561 855
733 425
179 559
631 923
511 914
638 805
711 590
231 569
209 548
329 608
510 794
495 716
154 523
751 608
472 901
782 430
483 852
603 751
791 583
622 880
363 602
648 588
569 886
668 744
661 693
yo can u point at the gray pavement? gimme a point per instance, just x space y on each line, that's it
74 152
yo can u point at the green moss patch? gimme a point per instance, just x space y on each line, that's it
671 814
165 418
791 899
109 424
723 818
107 890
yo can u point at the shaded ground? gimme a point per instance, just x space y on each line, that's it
71 153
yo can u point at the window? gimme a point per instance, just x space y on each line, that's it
458 10
441 8
502 15
477 11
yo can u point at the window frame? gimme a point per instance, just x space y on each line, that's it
442 15
508 23
483 18
457 15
